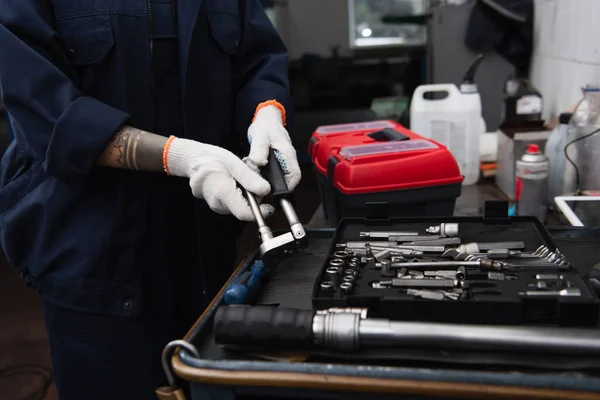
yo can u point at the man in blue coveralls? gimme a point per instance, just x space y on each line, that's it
118 108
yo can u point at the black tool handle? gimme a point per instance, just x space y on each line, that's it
274 174
263 327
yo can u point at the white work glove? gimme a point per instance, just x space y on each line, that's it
267 132
213 173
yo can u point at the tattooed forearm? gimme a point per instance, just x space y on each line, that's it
135 149
125 145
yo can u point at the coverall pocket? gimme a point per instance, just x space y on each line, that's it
88 38
226 30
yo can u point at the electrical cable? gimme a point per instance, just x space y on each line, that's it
577 182
31 369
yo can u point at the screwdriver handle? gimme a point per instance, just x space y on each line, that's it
264 326
274 175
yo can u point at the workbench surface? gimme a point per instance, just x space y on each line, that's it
291 286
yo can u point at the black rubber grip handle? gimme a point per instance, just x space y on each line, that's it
274 175
264 327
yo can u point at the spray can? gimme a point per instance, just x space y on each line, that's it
532 178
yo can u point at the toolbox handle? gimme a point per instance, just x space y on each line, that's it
264 327
274 175
387 135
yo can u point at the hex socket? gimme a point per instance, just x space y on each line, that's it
333 275
326 289
346 288
337 262
342 255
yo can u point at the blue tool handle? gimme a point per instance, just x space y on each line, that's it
245 285
236 294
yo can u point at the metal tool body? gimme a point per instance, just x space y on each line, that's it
567 292
349 331
414 238
480 247
483 264
272 248
433 294
358 247
444 229
435 242
386 234
421 283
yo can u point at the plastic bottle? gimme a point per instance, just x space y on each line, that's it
532 177
561 174
452 117
585 152
521 102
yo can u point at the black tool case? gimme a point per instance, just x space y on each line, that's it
484 301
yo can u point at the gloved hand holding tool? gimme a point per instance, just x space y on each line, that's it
267 132
271 150
214 174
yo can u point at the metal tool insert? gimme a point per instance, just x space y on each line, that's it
386 234
567 292
444 229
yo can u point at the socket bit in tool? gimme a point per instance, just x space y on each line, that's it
359 247
423 283
568 292
386 234
333 275
501 276
479 247
549 276
426 294
407 250
413 238
435 242
336 262
434 294
353 264
484 264
444 229
506 253
326 289
380 255
348 278
449 274
346 288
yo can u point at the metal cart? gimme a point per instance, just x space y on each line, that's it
214 373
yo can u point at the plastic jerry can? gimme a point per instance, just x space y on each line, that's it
452 117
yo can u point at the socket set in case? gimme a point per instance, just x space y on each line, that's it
461 269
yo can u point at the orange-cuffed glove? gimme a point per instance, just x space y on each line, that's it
266 132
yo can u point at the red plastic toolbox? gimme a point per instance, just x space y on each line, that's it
381 164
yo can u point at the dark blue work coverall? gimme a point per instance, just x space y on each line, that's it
124 260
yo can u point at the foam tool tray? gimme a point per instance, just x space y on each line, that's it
480 298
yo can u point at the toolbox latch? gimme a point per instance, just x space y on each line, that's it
333 161
496 212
